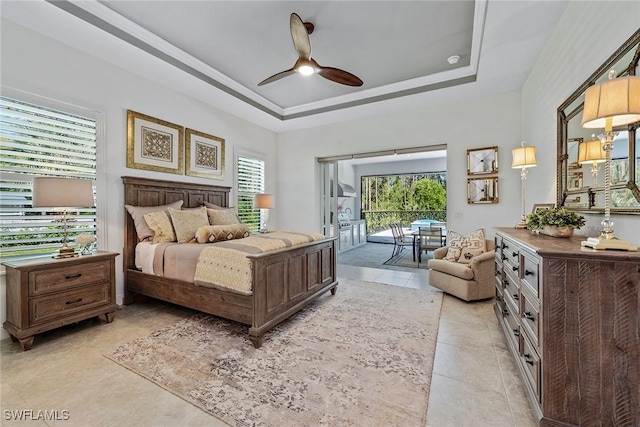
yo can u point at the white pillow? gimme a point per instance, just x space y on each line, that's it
457 243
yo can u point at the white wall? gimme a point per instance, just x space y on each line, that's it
586 35
489 121
39 65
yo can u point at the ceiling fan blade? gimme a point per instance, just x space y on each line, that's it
277 76
300 36
339 76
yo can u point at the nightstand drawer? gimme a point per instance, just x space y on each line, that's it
56 306
59 279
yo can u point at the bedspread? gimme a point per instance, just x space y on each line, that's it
225 264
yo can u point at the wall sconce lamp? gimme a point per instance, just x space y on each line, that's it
63 194
523 158
591 152
614 102
264 202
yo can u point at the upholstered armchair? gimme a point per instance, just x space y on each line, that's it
469 282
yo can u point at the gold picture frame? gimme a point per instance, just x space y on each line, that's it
204 155
154 144
482 190
542 206
482 161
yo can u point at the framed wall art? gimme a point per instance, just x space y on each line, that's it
482 161
154 144
204 155
482 190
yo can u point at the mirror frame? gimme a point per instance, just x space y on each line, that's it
482 190
564 195
479 158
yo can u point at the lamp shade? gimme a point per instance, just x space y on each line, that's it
615 99
62 193
264 201
591 152
524 157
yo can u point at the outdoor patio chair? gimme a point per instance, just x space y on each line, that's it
429 239
400 240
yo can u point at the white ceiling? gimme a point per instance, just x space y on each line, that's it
220 50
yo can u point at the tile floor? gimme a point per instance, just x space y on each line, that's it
65 370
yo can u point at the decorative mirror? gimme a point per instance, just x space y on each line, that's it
482 161
482 190
581 186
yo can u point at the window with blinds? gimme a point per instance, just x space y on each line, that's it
250 181
40 141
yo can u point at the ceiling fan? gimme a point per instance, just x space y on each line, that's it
306 65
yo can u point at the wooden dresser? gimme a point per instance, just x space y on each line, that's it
571 318
46 293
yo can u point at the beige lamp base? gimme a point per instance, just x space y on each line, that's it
612 244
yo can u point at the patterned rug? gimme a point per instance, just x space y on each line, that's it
362 357
405 259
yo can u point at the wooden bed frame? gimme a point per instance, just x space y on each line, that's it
284 281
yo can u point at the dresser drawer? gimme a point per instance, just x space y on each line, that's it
511 322
55 307
530 316
512 292
531 274
531 362
59 279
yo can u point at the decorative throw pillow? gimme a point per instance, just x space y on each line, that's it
186 222
216 233
160 223
214 206
457 242
137 213
222 217
467 255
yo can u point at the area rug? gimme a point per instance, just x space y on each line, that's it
373 255
362 357
405 259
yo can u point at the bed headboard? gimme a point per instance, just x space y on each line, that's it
155 192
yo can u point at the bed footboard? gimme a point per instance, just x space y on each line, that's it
286 281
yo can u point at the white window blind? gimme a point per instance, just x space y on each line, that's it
41 141
250 181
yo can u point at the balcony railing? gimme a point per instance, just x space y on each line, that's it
381 220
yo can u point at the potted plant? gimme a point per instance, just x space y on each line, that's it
556 222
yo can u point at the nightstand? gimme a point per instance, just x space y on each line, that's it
46 293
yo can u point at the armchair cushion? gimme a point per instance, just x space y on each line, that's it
453 268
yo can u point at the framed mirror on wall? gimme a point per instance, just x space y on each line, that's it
482 161
580 180
482 190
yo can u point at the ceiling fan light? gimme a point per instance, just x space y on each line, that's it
306 70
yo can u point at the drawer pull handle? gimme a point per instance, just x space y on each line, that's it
516 297
528 273
516 332
505 282
529 316
504 246
527 359
504 257
498 298
75 276
515 268
505 312
514 254
74 301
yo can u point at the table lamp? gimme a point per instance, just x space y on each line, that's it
523 158
264 202
614 102
63 194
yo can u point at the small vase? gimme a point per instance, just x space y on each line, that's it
553 231
87 249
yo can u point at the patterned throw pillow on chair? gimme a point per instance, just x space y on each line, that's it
471 245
